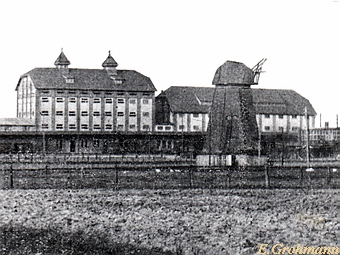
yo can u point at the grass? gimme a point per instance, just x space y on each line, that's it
190 221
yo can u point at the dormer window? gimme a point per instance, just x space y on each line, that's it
116 80
69 80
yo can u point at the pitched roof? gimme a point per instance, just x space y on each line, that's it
62 60
16 122
231 73
266 101
89 79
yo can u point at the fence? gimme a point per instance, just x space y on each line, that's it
144 172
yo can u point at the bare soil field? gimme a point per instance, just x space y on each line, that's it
189 221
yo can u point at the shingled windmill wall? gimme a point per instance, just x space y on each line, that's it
232 126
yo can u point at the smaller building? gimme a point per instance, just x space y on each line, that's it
17 124
187 109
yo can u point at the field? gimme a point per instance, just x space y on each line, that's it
168 221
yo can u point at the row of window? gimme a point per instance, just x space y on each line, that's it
267 128
182 127
86 92
96 100
267 116
195 115
95 126
95 113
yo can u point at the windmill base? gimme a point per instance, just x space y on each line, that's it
230 160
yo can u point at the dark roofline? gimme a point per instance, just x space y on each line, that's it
291 93
133 77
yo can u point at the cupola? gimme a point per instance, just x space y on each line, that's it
110 65
62 62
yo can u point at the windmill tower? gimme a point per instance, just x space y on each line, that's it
232 128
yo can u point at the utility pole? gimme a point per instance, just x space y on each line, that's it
307 138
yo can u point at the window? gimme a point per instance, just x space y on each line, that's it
96 143
59 144
120 113
133 94
72 126
146 127
159 128
84 126
145 101
294 116
295 129
45 92
84 113
281 129
108 100
71 113
132 101
83 143
44 113
196 128
44 126
96 127
120 94
167 128
85 92
132 126
132 114
146 94
59 113
108 126
120 127
108 113
72 99
69 80
280 116
84 100
108 93
195 115
44 99
96 100
96 113
181 115
60 92
267 116
146 114
181 127
59 126
120 100
267 128
60 99
72 92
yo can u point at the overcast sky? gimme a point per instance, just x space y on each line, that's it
179 43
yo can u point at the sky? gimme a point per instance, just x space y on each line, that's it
179 42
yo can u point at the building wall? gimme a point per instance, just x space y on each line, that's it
94 110
266 123
26 99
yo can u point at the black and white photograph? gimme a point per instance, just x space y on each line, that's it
169 127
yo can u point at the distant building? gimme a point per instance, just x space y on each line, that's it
86 100
186 109
324 135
